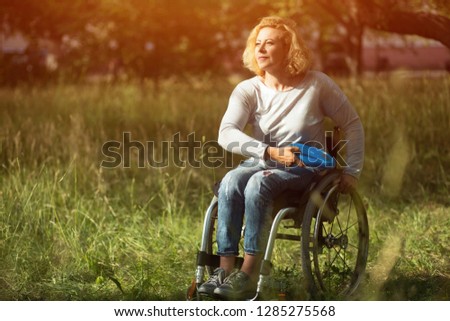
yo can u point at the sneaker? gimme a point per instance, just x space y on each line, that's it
214 281
237 286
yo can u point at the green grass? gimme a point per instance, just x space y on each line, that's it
71 230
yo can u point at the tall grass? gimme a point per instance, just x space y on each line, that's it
72 230
405 121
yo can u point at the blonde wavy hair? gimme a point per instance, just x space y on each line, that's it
298 59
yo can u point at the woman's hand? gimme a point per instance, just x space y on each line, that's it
284 155
347 183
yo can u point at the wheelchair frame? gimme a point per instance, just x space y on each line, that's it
318 213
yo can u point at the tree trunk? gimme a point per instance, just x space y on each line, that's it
423 24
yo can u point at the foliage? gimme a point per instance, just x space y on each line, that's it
153 39
148 38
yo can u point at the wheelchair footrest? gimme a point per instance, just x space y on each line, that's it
204 258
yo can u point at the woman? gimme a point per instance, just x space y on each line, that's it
285 103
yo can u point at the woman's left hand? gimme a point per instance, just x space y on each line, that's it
347 183
284 155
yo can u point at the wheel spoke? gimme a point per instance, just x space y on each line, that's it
325 232
345 262
342 232
349 211
337 254
354 246
339 223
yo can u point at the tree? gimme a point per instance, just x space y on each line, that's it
428 19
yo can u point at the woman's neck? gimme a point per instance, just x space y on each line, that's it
282 82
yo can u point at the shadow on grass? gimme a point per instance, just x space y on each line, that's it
420 288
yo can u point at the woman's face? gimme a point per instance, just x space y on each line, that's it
270 50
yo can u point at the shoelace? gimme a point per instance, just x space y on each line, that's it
217 277
235 279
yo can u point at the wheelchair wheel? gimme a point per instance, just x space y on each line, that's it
335 240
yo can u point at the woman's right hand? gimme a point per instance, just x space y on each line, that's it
284 155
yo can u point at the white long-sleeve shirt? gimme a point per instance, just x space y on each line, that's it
279 118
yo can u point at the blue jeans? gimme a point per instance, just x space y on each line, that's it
251 190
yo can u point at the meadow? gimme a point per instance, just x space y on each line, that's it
71 229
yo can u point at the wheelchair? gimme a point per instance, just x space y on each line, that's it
333 236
